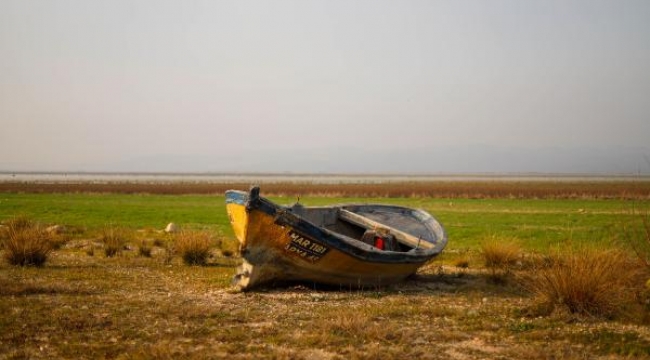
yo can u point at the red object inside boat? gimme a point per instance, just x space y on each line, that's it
379 243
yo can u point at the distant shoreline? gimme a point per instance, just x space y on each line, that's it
324 178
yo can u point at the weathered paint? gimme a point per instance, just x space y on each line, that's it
238 217
279 245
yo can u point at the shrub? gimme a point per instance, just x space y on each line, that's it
113 240
593 282
193 246
25 243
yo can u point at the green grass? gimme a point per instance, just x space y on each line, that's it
93 211
539 224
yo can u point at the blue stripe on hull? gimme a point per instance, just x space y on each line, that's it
236 197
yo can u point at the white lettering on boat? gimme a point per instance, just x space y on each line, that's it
305 248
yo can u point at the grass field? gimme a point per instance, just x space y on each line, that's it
133 307
538 223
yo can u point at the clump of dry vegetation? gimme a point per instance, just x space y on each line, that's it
159 242
229 247
587 281
193 246
113 240
462 262
57 240
144 249
25 243
500 255
463 259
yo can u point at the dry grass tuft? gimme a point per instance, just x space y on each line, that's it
18 223
114 240
500 255
25 243
463 260
159 242
462 263
144 249
229 247
57 238
594 282
193 246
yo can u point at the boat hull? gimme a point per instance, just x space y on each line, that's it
277 245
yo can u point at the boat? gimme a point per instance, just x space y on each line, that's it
353 245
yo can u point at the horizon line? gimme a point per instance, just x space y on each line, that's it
334 174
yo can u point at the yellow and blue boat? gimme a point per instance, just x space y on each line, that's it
356 245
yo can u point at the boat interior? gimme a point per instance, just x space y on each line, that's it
375 226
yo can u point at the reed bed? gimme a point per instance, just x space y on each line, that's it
635 190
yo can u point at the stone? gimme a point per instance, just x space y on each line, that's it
56 229
171 228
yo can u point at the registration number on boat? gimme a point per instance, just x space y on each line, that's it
305 248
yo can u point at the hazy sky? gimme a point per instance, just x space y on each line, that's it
325 86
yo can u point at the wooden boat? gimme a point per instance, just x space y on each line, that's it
344 245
